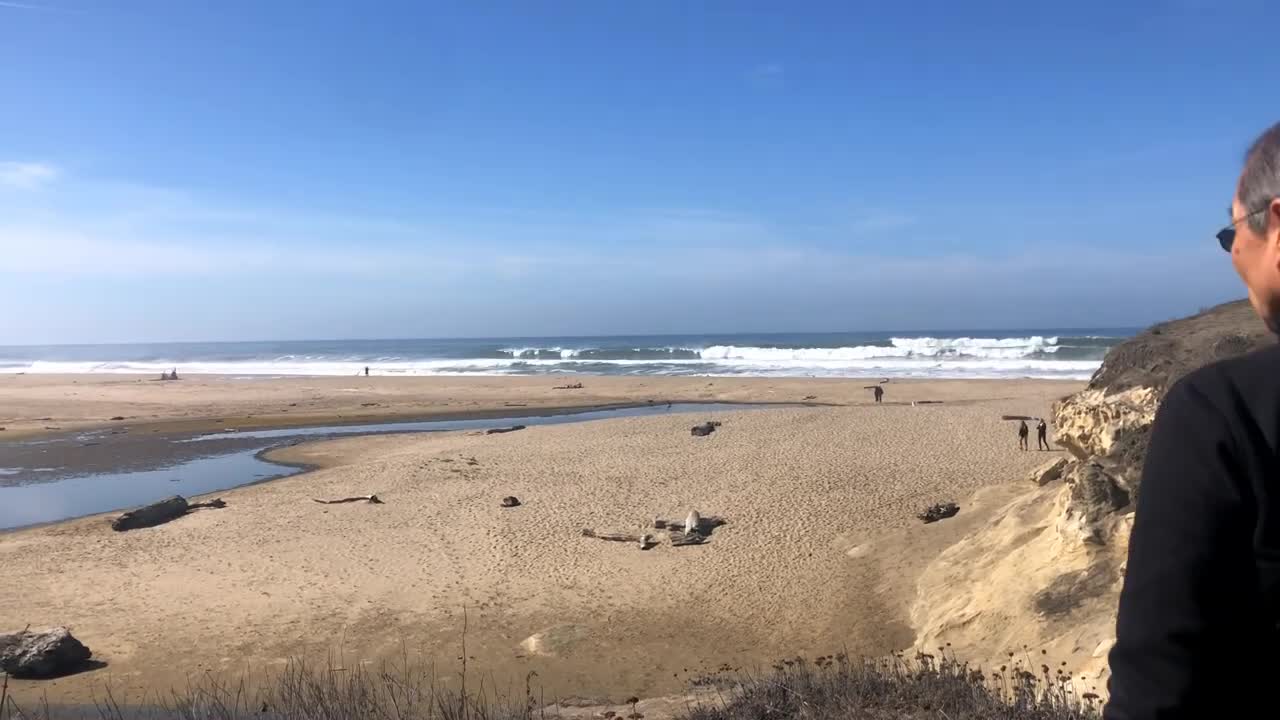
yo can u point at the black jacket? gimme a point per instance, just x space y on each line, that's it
1196 632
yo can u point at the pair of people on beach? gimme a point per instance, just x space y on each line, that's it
1042 435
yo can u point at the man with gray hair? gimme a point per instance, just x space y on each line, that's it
1196 634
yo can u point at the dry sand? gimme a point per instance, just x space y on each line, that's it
42 404
802 567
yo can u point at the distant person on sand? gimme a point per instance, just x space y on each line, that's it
366 371
878 392
1196 634
1042 435
1023 431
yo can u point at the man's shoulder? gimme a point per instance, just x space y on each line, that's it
1225 382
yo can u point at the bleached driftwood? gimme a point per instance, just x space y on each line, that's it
701 525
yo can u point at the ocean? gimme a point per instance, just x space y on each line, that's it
1046 353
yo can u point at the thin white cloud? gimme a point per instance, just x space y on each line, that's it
27 175
23 6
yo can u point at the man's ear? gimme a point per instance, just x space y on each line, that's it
1273 223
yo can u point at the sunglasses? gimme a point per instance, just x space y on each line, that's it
1227 235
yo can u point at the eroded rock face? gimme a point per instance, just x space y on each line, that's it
41 654
1046 572
1092 497
1093 422
1106 427
1049 472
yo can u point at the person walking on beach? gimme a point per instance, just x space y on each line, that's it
1042 435
878 392
366 371
1022 435
1196 633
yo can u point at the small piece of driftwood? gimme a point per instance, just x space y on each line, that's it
371 499
680 539
498 431
645 541
217 503
575 386
1016 417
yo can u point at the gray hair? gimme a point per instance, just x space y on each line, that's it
1260 180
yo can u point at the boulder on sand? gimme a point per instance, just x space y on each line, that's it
157 513
704 429
940 511
41 654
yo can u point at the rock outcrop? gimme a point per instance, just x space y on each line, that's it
41 654
1106 426
1047 572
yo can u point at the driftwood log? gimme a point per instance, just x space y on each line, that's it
159 513
498 431
371 499
693 530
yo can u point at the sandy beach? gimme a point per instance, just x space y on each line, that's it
816 557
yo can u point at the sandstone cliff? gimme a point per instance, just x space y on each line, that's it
1046 573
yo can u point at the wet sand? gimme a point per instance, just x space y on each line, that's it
275 575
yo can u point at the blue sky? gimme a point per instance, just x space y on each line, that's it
277 170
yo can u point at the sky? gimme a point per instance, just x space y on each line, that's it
270 169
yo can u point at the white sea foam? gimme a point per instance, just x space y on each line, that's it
924 347
966 357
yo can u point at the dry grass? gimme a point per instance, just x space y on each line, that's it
828 687
897 689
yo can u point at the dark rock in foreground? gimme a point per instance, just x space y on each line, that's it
704 429
941 511
43 654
